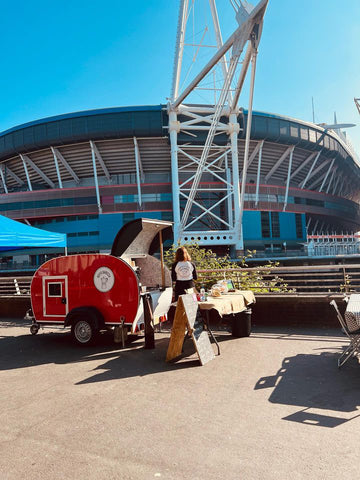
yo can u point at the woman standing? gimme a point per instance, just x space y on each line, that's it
183 272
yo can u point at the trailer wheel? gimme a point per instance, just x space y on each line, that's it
84 331
34 329
241 324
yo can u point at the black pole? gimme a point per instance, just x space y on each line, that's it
149 323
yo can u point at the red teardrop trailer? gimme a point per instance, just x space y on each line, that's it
94 292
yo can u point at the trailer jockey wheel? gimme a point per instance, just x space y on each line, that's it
84 331
34 329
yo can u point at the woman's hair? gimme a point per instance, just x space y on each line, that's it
182 255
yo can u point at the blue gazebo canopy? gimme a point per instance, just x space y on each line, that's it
15 235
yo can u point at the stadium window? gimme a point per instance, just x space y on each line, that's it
86 217
284 128
294 131
85 200
94 233
298 225
127 217
83 234
265 225
260 125
47 203
250 197
126 178
107 199
274 127
165 197
312 135
12 206
129 178
315 203
125 198
72 234
50 203
275 225
157 197
264 197
304 133
151 197
168 216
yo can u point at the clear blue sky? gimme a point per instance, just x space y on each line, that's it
59 57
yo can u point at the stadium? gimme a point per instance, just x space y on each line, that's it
228 177
88 173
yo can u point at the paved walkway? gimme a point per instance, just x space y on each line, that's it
272 406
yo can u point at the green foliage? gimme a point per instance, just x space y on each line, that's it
205 259
220 267
346 286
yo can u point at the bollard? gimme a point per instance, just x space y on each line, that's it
17 287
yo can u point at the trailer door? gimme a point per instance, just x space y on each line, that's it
55 296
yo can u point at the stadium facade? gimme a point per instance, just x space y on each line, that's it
88 173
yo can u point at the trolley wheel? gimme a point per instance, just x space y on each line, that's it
34 329
241 324
84 331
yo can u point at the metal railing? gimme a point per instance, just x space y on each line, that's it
302 279
14 286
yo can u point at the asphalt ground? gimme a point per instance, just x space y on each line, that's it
271 406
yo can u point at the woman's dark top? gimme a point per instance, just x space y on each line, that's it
183 274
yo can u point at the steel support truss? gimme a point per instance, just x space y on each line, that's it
208 197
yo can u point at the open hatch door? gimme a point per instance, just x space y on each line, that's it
141 236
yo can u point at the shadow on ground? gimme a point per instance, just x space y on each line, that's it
327 396
56 347
314 383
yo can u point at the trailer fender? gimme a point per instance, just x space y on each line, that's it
90 312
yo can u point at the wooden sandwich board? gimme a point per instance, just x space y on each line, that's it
188 318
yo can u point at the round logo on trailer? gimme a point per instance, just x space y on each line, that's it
104 279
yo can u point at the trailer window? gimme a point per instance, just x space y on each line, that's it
54 289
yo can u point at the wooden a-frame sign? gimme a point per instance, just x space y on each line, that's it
187 317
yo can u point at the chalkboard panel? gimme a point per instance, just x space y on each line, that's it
188 315
190 306
201 341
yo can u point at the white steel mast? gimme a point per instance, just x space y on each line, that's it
208 197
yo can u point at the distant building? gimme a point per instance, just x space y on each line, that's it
88 173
